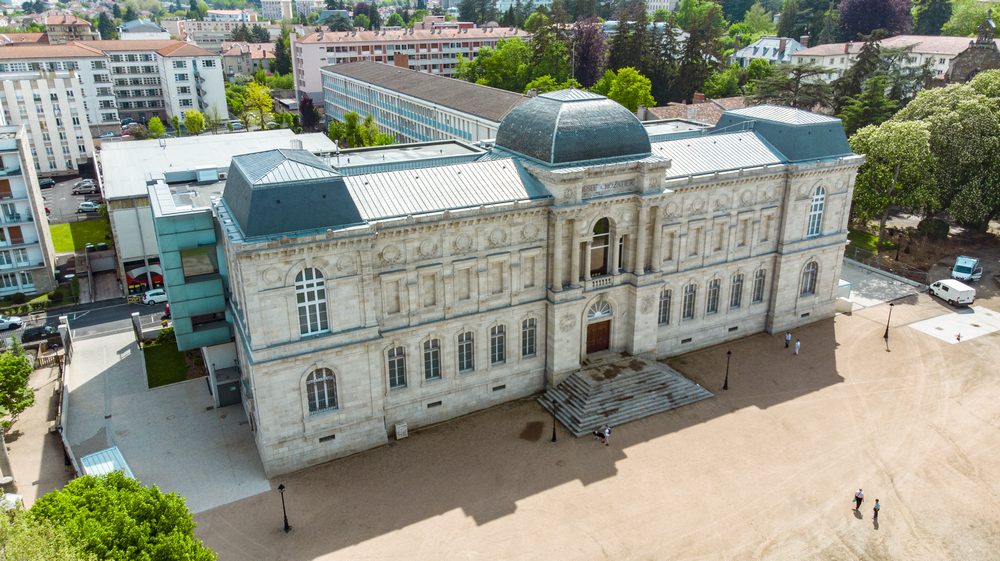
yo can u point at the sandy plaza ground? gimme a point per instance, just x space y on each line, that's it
765 470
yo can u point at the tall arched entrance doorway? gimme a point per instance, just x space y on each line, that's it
599 327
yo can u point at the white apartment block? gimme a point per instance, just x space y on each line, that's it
653 5
210 35
306 7
435 50
838 57
277 10
228 15
27 260
50 107
416 106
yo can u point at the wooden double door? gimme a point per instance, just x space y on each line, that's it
598 336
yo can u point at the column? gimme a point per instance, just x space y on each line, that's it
586 257
574 272
657 241
613 265
557 255
640 243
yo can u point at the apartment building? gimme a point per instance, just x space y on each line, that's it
64 28
246 58
277 10
416 106
27 260
838 57
139 29
49 104
434 51
229 15
210 35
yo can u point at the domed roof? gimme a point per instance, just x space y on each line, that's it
572 126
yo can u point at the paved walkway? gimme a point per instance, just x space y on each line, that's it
765 470
169 435
869 288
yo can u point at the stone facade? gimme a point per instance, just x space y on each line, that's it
689 262
981 55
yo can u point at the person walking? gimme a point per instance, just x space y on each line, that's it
797 345
858 498
607 435
788 338
877 506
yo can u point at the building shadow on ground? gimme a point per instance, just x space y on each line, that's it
483 464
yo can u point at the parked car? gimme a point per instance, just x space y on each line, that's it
127 121
87 206
108 134
83 182
154 296
46 183
966 269
10 322
82 189
953 292
237 126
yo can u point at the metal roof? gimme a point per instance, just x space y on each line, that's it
570 126
282 166
126 166
401 193
485 102
780 114
709 154
105 462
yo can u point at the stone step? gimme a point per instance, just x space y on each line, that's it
617 392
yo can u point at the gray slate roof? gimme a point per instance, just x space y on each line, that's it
798 135
571 125
779 114
709 154
281 166
767 48
482 101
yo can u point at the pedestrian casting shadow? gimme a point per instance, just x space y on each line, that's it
484 464
875 524
858 515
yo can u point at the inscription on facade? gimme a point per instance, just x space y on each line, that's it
607 188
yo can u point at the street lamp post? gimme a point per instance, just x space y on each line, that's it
729 355
886 336
899 241
554 404
281 489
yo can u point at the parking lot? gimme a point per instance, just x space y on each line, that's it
63 204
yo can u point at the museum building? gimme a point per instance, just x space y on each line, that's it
365 302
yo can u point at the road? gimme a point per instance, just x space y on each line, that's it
63 204
99 318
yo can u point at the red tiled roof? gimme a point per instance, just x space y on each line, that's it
66 19
15 39
418 34
71 49
929 44
709 111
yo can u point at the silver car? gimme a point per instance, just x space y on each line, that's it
10 322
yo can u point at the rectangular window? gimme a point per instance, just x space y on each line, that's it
181 77
736 295
185 103
497 348
8 281
712 305
663 318
180 64
397 368
208 64
432 360
689 294
21 256
183 90
758 286
26 279
528 338
199 261
466 351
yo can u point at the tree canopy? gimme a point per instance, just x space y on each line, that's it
194 122
929 16
357 133
872 107
156 127
795 85
26 537
861 17
15 393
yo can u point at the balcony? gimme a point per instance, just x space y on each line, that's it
17 218
9 172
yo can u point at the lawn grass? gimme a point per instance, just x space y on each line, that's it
164 364
74 236
867 241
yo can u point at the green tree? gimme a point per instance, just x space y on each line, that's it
130 13
545 84
282 60
362 21
872 107
966 17
116 11
661 15
357 133
15 393
631 89
759 19
701 54
788 24
898 170
339 23
395 20
850 84
795 85
536 21
929 16
603 86
156 128
257 100
194 122
116 518
176 122
831 26
23 536
726 83
508 67
689 11
104 26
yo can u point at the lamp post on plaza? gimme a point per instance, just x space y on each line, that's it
554 404
729 355
886 336
281 489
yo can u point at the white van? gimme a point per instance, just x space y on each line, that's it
954 292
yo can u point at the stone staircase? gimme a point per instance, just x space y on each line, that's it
612 389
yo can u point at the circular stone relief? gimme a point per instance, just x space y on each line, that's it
722 202
271 275
529 232
672 209
427 248
463 243
769 194
345 264
498 237
698 205
627 217
747 197
391 254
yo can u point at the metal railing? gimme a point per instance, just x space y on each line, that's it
886 263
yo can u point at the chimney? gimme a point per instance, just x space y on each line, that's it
847 48
804 40
533 92
699 98
781 45
736 45
641 111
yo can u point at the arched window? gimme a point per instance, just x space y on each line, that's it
736 294
600 309
816 212
712 305
498 341
600 248
321 389
690 291
397 368
758 286
432 360
809 278
310 297
528 338
466 352
663 318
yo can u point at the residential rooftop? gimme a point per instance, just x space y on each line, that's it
927 44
